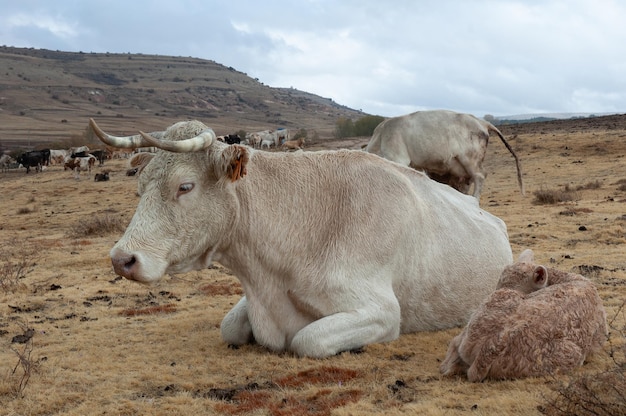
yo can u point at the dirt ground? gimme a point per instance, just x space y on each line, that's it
76 339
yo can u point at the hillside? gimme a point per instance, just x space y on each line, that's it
47 96
538 117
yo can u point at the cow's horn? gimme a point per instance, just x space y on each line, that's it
201 141
122 142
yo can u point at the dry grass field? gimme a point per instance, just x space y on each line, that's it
76 339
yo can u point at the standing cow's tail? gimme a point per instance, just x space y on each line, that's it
493 128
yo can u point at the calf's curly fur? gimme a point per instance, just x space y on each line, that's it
539 321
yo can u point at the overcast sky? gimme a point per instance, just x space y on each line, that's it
387 58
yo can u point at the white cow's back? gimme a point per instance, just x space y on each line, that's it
463 251
432 246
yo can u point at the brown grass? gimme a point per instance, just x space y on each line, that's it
222 289
554 196
16 261
151 310
26 365
319 402
590 185
594 394
25 210
317 376
571 211
98 225
600 393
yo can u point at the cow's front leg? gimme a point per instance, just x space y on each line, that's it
345 331
236 328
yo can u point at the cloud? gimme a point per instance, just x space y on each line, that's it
53 25
484 56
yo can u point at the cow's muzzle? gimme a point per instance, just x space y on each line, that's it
125 264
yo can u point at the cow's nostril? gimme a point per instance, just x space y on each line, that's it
129 264
124 264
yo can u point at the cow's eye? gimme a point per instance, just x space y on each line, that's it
183 188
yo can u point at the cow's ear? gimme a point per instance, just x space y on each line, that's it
147 158
540 277
235 160
527 256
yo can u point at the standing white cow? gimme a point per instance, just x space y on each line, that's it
57 156
282 135
254 140
363 250
5 162
449 146
78 164
268 138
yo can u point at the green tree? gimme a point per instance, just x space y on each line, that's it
365 125
490 118
300 133
344 127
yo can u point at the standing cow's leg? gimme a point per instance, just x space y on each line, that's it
479 180
377 321
235 327
465 168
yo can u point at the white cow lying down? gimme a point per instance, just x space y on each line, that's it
334 249
539 321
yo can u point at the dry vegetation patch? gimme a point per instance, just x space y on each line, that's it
98 225
16 260
224 288
303 401
150 310
601 393
554 196
571 211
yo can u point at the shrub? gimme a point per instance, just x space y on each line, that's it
300 133
554 196
99 225
17 380
15 259
591 185
602 393
570 212
596 394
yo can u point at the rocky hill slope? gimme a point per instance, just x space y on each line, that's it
47 96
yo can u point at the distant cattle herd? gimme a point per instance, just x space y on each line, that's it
82 159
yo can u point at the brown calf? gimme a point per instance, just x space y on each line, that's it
539 321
